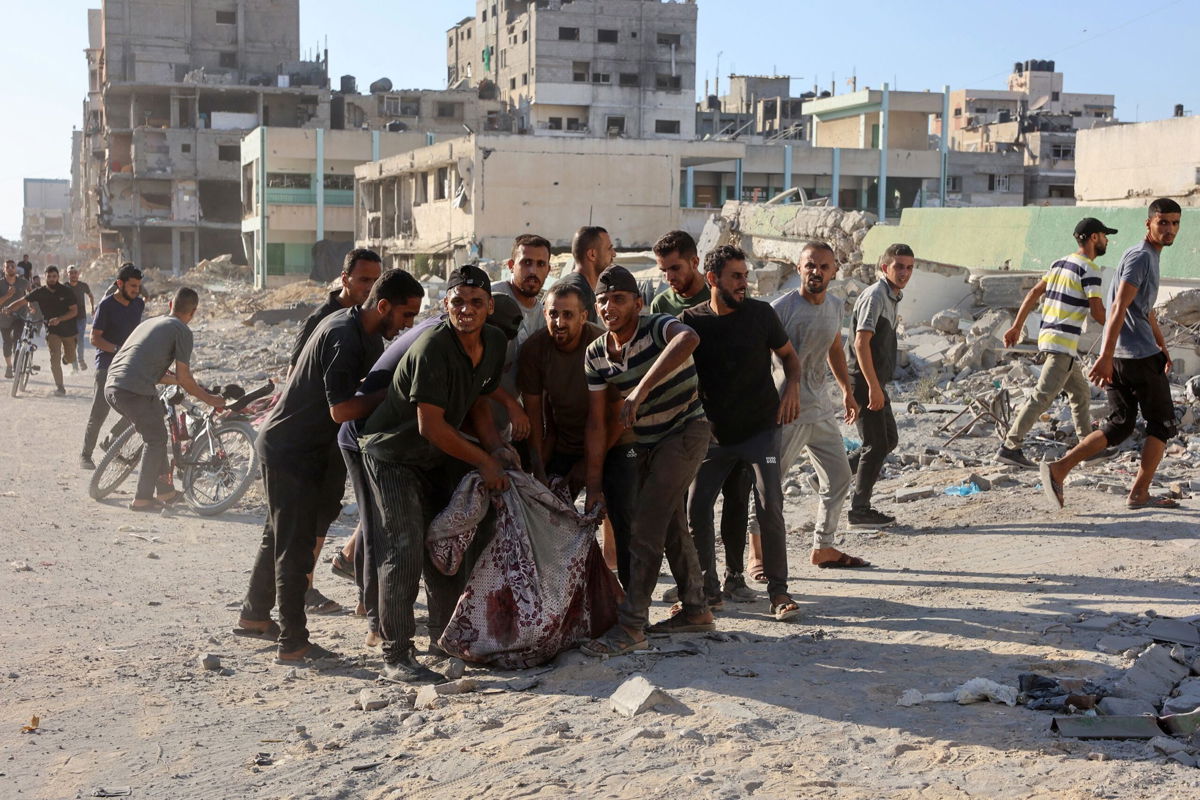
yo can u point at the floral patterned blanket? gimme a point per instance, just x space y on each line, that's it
539 587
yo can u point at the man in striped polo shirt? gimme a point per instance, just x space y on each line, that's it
647 361
1071 288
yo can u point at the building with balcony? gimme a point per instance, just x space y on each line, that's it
45 231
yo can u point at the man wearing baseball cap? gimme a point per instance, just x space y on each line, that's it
413 454
1071 288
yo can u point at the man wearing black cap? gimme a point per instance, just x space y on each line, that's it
648 362
1072 288
413 453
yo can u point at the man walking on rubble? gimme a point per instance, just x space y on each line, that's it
1133 365
297 445
1072 288
872 364
81 290
648 362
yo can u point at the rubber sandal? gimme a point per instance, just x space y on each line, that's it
170 499
758 576
1153 502
679 623
845 561
317 603
1050 487
308 656
785 610
270 633
617 642
153 507
342 566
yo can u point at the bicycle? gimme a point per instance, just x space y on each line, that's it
23 351
212 451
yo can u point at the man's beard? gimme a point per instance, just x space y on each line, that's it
731 300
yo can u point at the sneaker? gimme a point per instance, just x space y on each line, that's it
1014 456
85 462
409 670
869 519
60 392
735 589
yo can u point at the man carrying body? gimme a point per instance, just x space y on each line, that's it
155 347
295 445
593 251
57 304
12 287
648 361
116 317
1072 288
813 321
81 290
1133 364
413 454
529 265
733 364
872 363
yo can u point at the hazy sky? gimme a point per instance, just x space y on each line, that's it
1144 54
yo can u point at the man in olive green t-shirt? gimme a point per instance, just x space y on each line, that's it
679 263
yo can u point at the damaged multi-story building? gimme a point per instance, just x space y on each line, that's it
174 85
44 220
582 67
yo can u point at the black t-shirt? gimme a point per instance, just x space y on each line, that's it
299 432
577 280
54 301
322 311
26 269
733 362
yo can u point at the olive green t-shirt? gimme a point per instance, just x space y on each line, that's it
672 302
435 370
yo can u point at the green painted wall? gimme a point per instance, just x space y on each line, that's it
1029 237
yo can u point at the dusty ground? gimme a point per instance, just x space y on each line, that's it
104 632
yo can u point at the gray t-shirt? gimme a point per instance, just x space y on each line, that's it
875 310
532 321
10 292
1139 267
812 330
151 350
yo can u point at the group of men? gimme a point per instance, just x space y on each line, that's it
60 305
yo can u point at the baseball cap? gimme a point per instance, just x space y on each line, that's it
469 275
616 279
1089 225
506 315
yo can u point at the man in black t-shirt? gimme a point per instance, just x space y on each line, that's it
303 475
733 361
360 270
57 304
25 267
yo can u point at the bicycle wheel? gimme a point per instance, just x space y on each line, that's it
20 367
223 469
118 461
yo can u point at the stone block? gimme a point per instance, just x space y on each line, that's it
915 493
371 700
1184 704
1153 675
637 695
1114 643
210 661
946 321
1122 707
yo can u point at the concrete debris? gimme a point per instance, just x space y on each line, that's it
1121 707
1114 644
915 493
637 695
210 661
1168 746
372 700
1151 677
975 690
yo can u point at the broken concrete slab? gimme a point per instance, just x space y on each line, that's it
1106 727
637 695
915 493
946 321
1122 707
1115 643
1153 675
1095 623
1181 724
1168 746
1184 704
371 700
1175 631
274 316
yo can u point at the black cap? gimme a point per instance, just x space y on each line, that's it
506 315
469 275
1089 225
616 279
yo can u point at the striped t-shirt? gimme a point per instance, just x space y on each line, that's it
671 404
1070 283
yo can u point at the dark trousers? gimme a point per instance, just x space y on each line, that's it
98 414
735 516
659 524
285 555
365 574
761 453
145 413
10 335
879 437
620 487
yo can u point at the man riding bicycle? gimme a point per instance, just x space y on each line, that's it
57 303
12 287
154 348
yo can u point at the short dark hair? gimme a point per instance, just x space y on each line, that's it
529 240
585 239
818 245
396 286
1164 205
719 256
894 251
129 271
561 289
676 242
51 268
185 301
359 254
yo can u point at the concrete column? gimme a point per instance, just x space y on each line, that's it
944 145
690 192
374 145
787 167
175 254
320 177
737 180
883 154
835 190
261 194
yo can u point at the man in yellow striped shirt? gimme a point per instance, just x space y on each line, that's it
1069 290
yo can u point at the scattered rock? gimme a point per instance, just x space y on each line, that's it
1114 643
1168 746
637 695
210 661
915 493
372 700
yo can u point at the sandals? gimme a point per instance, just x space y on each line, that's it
308 656
845 561
785 610
1050 487
757 575
617 642
342 566
317 603
153 507
269 634
679 623
1152 502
